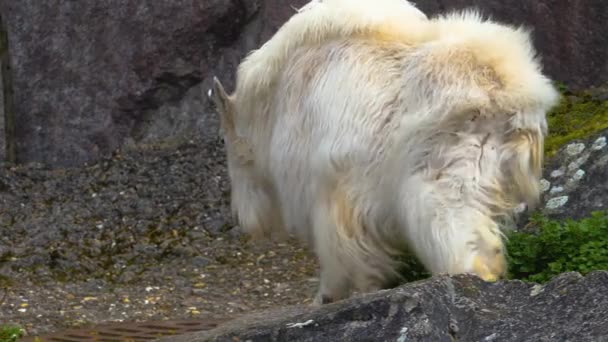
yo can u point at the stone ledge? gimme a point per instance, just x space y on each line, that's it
457 308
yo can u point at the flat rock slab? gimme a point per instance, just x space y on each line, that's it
458 308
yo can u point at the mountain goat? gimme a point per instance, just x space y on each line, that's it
364 127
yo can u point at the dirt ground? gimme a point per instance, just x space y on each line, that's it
142 235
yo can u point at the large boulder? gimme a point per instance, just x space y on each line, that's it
92 75
459 308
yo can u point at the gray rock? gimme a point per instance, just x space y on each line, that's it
458 308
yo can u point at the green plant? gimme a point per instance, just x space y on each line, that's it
558 247
10 333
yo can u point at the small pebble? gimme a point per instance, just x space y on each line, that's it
556 189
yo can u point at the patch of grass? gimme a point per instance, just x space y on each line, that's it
559 246
10 333
578 115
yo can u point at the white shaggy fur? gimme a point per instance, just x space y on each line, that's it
365 127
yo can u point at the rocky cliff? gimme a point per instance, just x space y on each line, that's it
91 75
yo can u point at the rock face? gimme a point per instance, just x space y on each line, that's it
574 183
91 75
566 33
5 93
2 114
460 308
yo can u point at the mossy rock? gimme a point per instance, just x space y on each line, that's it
577 116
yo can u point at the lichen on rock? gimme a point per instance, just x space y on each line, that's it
574 181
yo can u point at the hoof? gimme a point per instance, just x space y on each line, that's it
321 299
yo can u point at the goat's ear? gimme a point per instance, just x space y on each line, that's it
219 96
223 104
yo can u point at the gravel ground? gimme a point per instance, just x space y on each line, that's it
144 234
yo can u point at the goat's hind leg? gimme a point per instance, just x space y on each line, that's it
334 226
346 263
334 279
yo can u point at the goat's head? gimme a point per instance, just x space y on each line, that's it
238 153
251 202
